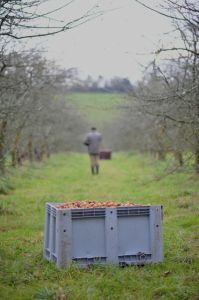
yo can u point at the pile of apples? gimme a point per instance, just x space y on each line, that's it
94 204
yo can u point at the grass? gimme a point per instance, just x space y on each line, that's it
24 274
98 107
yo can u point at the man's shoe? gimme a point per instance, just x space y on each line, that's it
97 169
92 170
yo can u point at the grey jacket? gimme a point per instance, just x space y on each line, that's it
93 141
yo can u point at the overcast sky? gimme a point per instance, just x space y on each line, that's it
117 43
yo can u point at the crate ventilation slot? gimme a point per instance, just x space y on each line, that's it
53 211
48 209
135 257
133 211
88 213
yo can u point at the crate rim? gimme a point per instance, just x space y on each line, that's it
54 204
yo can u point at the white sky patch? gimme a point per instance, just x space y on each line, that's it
114 44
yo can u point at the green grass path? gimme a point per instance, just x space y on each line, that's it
24 274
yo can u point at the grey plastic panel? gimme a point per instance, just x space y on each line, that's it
122 235
134 235
88 238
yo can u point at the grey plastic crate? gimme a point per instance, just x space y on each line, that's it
119 235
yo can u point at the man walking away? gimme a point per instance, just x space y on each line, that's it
93 141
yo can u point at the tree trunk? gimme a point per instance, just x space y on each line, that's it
179 157
2 144
45 149
30 150
42 151
14 152
197 158
160 155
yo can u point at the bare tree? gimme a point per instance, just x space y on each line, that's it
24 79
35 116
21 19
178 99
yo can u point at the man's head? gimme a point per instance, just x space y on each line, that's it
93 128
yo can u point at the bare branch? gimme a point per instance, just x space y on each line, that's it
158 11
16 14
177 49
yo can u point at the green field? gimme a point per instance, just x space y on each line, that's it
24 274
98 107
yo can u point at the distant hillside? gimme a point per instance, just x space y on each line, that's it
98 108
